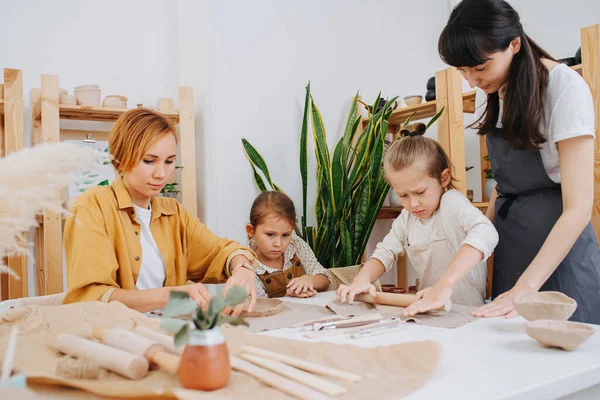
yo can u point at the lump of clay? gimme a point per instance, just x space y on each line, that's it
561 334
264 308
545 305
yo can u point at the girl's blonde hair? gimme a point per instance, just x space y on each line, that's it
133 132
272 202
415 147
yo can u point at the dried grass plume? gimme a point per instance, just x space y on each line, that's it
30 181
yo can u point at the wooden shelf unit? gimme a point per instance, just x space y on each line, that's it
11 140
46 116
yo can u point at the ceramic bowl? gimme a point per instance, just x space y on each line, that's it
85 87
88 97
413 100
115 101
62 91
67 99
565 335
545 305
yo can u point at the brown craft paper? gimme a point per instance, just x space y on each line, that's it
458 316
388 371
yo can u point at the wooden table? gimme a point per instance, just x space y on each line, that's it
491 359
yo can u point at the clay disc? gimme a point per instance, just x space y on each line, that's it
265 308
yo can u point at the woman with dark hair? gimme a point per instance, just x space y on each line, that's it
539 128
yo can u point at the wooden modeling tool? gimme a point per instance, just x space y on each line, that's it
395 299
276 381
160 338
346 331
136 344
9 356
123 363
298 375
302 364
348 323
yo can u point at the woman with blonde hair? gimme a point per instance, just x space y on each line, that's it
123 243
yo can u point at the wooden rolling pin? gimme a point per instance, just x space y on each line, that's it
123 363
136 344
395 299
160 338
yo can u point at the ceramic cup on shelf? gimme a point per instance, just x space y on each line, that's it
67 99
88 95
413 100
115 101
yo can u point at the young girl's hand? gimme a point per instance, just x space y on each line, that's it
348 292
301 286
431 298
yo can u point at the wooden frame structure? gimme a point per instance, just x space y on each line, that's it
451 131
46 116
12 139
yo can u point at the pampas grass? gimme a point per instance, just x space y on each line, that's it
30 182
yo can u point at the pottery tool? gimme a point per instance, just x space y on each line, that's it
395 299
308 325
123 363
9 356
136 344
310 380
302 364
349 323
161 338
276 381
386 322
377 331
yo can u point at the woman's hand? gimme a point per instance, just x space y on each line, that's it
302 285
197 292
347 293
431 298
503 304
245 278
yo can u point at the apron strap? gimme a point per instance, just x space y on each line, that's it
511 197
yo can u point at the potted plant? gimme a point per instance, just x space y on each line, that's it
170 190
205 359
489 176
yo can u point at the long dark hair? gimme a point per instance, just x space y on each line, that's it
477 28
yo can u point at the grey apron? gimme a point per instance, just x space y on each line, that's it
529 204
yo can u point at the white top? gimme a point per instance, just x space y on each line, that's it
460 221
152 271
302 250
568 113
491 358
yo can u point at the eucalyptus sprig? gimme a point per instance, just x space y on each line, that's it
180 304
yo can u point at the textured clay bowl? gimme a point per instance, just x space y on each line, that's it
545 305
86 87
565 335
413 100
115 101
265 308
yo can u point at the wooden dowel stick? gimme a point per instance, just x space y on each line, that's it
161 338
302 364
126 364
279 382
295 374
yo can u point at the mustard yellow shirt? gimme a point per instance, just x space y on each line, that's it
103 250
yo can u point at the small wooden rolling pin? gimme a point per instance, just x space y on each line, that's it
136 344
395 299
123 363
160 338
